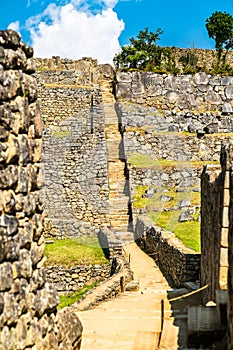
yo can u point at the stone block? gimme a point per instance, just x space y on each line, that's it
223 277
224 237
226 197
225 217
224 257
227 180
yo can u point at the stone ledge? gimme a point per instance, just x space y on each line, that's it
113 286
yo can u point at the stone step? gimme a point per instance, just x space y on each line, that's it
120 218
169 337
113 140
116 175
118 207
146 340
116 166
113 208
125 237
117 195
119 227
116 171
119 184
204 327
121 201
116 154
110 116
115 219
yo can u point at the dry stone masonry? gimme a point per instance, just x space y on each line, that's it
182 94
216 233
75 278
29 318
75 157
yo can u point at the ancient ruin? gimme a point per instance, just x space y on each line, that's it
69 132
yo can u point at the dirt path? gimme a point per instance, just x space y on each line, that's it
131 321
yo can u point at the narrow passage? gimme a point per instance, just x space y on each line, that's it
131 321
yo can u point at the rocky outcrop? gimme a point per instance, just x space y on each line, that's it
28 313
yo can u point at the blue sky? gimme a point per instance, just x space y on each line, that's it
77 28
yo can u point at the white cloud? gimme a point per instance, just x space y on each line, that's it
14 25
75 31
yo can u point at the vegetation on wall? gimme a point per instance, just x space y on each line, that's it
189 61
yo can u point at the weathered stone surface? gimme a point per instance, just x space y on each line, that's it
211 128
6 276
10 223
227 108
71 334
229 92
76 277
8 176
132 286
28 305
193 93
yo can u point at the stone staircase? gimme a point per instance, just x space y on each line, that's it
118 183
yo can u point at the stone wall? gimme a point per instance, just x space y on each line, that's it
205 59
229 241
163 177
174 159
75 159
212 182
75 278
150 119
165 138
28 314
83 72
179 262
216 232
195 93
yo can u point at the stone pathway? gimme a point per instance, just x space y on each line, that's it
131 321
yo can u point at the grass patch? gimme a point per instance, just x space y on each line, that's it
188 232
144 161
69 299
83 250
156 204
61 134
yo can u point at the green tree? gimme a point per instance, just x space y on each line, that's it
220 28
141 52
